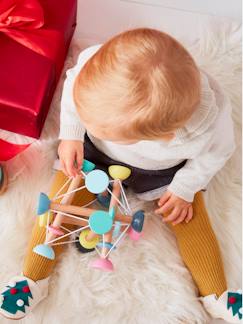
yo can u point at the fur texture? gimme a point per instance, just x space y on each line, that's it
150 284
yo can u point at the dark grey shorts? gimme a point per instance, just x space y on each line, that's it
140 180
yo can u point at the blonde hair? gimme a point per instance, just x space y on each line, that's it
141 82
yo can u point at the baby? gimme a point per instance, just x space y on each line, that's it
140 101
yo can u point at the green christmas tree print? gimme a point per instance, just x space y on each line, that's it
235 303
17 297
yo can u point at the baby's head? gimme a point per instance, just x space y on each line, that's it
140 85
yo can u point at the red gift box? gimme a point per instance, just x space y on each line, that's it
34 39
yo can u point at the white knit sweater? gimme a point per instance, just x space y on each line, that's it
206 141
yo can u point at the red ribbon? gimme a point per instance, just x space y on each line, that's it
23 21
9 150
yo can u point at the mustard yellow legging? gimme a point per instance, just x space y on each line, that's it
196 240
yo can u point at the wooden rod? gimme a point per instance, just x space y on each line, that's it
65 200
84 211
116 191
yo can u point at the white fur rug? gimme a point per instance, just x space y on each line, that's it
150 284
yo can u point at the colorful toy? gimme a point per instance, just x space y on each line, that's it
99 230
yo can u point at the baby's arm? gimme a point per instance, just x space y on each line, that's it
72 130
197 173
71 127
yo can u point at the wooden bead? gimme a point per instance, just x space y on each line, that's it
96 181
88 244
119 172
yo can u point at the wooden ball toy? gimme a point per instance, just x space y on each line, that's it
99 230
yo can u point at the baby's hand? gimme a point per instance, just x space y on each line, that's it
179 209
71 156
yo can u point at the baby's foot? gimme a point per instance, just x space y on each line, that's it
21 295
228 306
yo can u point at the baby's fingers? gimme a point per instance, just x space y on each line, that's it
181 217
164 198
172 216
165 208
69 164
189 214
79 160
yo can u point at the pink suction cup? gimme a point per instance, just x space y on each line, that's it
134 236
102 264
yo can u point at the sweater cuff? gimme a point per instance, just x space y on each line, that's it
181 191
72 132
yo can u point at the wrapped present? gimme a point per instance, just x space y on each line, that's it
34 39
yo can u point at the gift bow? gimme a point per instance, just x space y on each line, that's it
23 21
